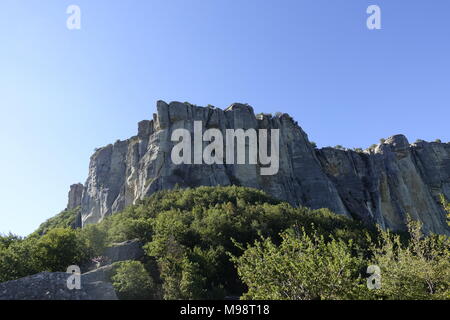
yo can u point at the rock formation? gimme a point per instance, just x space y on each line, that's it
381 185
53 286
75 196
128 250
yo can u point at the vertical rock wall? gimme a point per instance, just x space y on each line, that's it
381 186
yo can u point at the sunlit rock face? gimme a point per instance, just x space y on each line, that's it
75 196
392 181
383 185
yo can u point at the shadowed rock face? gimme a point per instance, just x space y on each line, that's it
379 186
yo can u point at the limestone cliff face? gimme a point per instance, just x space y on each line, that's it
393 181
75 196
381 186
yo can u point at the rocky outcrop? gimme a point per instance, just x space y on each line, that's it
128 250
394 180
75 196
381 186
53 286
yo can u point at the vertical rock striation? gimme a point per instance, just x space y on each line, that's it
381 186
393 181
75 196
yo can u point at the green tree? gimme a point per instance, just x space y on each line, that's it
7 240
198 226
417 270
59 248
19 259
132 282
302 267
95 238
446 206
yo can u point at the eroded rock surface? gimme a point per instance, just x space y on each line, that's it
128 250
380 186
53 286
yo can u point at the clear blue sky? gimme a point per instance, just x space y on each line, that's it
64 93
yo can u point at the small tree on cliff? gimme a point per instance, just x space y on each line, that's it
446 206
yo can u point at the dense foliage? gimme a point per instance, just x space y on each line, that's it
309 267
417 270
132 282
302 267
191 234
55 251
214 242
446 206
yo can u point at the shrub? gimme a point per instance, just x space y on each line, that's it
446 206
303 267
59 249
132 282
195 229
55 251
18 259
95 237
417 270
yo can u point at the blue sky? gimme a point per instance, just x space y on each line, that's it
64 93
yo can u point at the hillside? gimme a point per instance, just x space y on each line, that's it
218 242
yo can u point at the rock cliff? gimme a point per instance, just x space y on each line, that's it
53 286
75 196
381 185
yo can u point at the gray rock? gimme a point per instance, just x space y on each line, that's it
128 250
75 196
53 286
102 274
394 181
378 187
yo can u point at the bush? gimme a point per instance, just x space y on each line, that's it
195 239
55 251
195 229
418 270
446 206
303 267
18 259
59 249
95 238
132 282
